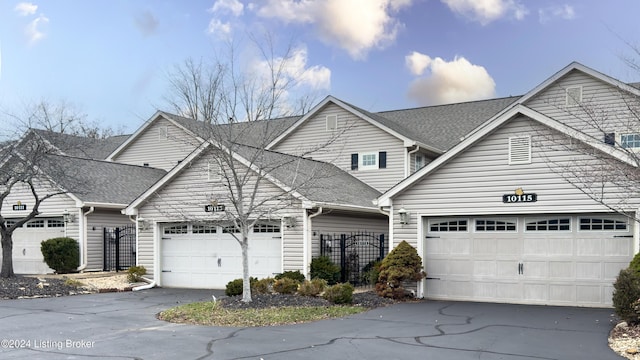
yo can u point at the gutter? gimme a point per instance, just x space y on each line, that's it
85 254
307 236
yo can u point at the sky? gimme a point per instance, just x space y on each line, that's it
112 59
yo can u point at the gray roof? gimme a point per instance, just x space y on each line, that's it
443 126
80 146
315 180
100 181
255 133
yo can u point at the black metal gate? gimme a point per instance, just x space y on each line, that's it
119 248
355 253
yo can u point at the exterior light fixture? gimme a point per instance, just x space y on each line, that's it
404 216
68 218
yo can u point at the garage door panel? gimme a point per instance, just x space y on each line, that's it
562 293
484 268
484 290
437 246
535 269
508 290
589 270
534 292
507 269
484 246
591 293
589 247
617 247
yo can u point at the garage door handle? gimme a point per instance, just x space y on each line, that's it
521 268
432 237
166 270
623 236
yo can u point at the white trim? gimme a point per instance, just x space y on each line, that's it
422 284
520 150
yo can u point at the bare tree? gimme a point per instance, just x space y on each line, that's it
242 109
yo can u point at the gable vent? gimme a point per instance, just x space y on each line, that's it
332 122
574 96
520 150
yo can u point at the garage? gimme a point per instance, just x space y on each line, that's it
552 259
27 256
207 256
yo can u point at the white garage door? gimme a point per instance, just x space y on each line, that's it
27 256
553 260
207 256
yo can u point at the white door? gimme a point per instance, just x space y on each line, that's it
208 256
27 256
555 260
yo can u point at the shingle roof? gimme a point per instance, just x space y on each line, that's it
315 180
100 181
80 146
443 126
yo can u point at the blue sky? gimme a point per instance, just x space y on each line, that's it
110 59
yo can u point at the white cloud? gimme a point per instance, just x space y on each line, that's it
356 26
486 11
25 8
234 7
449 82
33 29
295 69
219 29
565 12
417 62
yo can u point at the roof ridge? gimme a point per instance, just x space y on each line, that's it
106 161
451 104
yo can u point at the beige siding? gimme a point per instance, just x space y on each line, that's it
354 135
604 108
96 222
184 199
474 182
150 148
145 246
346 224
53 206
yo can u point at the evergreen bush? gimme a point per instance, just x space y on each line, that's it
339 293
262 286
312 288
323 268
295 275
234 287
626 293
135 273
61 254
286 286
402 264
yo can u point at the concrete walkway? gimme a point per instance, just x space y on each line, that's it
123 326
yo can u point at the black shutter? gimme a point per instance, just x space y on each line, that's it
382 159
354 161
610 138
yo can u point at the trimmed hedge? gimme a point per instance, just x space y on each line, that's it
61 254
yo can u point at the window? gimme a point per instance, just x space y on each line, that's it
213 171
204 229
574 96
495 225
55 223
519 150
449 226
595 224
629 141
10 222
35 224
559 224
163 133
230 229
369 160
266 228
419 162
176 229
332 122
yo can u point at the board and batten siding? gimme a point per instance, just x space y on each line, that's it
474 181
604 108
354 135
184 199
345 224
96 222
163 153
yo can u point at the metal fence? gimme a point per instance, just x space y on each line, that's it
119 248
355 253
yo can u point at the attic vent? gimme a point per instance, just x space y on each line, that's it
519 150
163 132
574 96
332 122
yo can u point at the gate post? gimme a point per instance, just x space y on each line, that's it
382 254
105 250
117 249
343 257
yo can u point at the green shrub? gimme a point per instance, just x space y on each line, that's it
339 293
61 254
234 287
295 275
73 283
135 273
262 286
635 263
402 264
312 288
371 272
626 293
323 268
286 286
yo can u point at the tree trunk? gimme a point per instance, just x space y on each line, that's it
246 279
7 256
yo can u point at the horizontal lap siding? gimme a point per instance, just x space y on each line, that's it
475 180
607 104
345 224
355 136
96 222
53 206
159 153
145 251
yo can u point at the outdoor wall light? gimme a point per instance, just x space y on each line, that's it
404 216
289 221
143 224
68 218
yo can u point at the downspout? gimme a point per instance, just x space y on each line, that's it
307 236
84 262
407 170
150 283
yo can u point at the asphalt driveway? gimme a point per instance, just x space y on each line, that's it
123 326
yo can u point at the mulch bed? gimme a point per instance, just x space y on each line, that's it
261 301
21 287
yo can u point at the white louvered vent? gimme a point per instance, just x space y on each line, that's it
332 122
520 150
574 96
